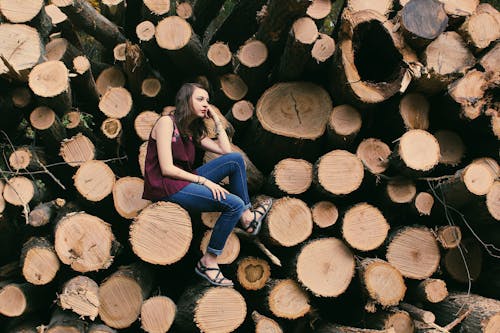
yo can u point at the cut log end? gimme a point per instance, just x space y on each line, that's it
21 97
119 52
40 264
49 79
233 86
81 295
157 314
324 214
158 7
323 48
287 300
383 282
434 290
293 176
419 150
219 54
242 110
253 53
55 14
19 191
319 9
364 227
339 172
42 118
127 196
109 78
150 87
151 237
374 154
448 54
144 123
173 33
424 19
77 150
305 30
264 324
414 109
449 236
318 254
424 202
401 190
184 10
145 31
116 102
345 120
480 175
216 301
22 44
230 251
111 128
94 180
20 158
253 273
493 201
13 302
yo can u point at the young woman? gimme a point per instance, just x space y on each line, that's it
169 174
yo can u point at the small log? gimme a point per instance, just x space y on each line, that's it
127 196
77 150
39 261
285 299
417 152
85 242
297 50
232 88
364 227
414 110
460 7
265 324
374 154
469 92
445 58
451 147
394 318
252 66
44 212
382 282
414 252
21 191
253 273
418 314
288 223
109 78
83 15
84 84
28 158
322 50
383 7
50 83
136 67
311 260
80 122
157 314
49 127
184 10
230 251
423 21
116 103
24 46
449 236
365 77
338 172
209 309
482 27
114 10
17 299
121 295
423 203
319 9
151 234
464 263
155 10
220 58
324 214
240 116
144 122
343 126
80 295
290 177
22 98
430 291
60 49
151 87
94 180
400 190
62 321
491 64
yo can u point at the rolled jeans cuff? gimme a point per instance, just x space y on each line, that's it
214 251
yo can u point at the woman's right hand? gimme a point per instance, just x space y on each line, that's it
218 191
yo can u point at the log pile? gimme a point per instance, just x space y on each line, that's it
373 124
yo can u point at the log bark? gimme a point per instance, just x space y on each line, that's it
80 295
414 110
364 77
85 242
114 10
83 15
84 84
364 227
253 273
414 252
394 318
49 128
252 66
121 295
65 322
127 196
151 237
464 263
451 147
314 256
240 116
39 261
209 309
155 10
157 314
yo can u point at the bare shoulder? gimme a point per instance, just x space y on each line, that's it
164 125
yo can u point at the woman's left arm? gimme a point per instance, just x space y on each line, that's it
221 145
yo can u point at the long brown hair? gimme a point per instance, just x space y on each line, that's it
184 110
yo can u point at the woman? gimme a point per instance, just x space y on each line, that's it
169 174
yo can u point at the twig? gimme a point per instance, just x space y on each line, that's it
457 320
275 260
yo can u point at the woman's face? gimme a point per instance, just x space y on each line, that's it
199 102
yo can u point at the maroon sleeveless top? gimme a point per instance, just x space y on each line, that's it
157 186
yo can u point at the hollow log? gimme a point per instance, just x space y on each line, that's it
338 173
85 242
209 309
39 261
80 295
314 256
151 233
414 252
364 227
484 316
24 46
83 15
127 196
365 77
121 295
290 177
157 314
253 273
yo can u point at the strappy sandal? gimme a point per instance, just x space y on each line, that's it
202 270
256 223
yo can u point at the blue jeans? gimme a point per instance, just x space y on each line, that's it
195 197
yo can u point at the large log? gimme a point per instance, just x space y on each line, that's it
30 12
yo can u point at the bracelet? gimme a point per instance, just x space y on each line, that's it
201 180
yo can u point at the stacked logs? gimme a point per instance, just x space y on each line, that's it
372 124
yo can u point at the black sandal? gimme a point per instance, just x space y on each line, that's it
201 270
256 223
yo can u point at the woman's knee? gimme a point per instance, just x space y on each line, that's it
234 203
